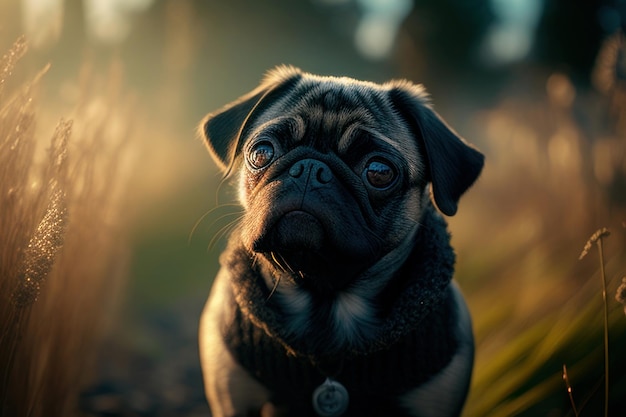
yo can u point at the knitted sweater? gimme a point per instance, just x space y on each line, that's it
413 344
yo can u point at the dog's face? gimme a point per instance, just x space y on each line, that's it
334 172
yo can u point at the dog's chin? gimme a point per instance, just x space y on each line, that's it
298 243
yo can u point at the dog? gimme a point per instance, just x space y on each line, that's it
336 294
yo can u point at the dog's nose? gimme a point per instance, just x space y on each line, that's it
313 170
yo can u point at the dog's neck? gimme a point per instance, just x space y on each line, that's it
384 303
353 312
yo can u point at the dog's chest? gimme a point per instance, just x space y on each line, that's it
374 381
348 319
409 342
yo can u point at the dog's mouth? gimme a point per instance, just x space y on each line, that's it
300 244
299 231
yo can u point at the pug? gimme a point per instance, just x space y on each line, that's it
335 294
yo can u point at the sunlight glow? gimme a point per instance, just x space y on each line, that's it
381 20
109 21
106 21
42 20
510 38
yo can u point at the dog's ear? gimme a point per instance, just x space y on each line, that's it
225 129
453 164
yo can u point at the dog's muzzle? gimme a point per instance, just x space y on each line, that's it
307 235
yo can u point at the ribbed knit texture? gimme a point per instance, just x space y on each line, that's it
414 342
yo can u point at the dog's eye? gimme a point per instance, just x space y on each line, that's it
261 154
379 173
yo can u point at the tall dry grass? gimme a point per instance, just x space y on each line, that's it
62 240
556 173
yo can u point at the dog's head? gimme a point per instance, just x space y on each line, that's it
334 172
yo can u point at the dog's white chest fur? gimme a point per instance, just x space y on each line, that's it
351 316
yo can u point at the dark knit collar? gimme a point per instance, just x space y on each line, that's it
416 289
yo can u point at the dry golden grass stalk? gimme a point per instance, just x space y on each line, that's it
620 294
62 252
40 254
596 239
569 390
8 61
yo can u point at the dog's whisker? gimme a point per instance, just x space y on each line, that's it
288 268
274 288
223 182
210 212
276 261
282 263
225 216
223 231
196 224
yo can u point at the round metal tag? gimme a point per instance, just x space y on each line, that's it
330 399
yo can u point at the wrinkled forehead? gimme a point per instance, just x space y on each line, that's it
331 115
327 103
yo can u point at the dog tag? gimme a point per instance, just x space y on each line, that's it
330 399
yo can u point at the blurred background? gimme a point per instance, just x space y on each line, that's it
538 85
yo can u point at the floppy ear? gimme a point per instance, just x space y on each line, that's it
225 128
453 164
